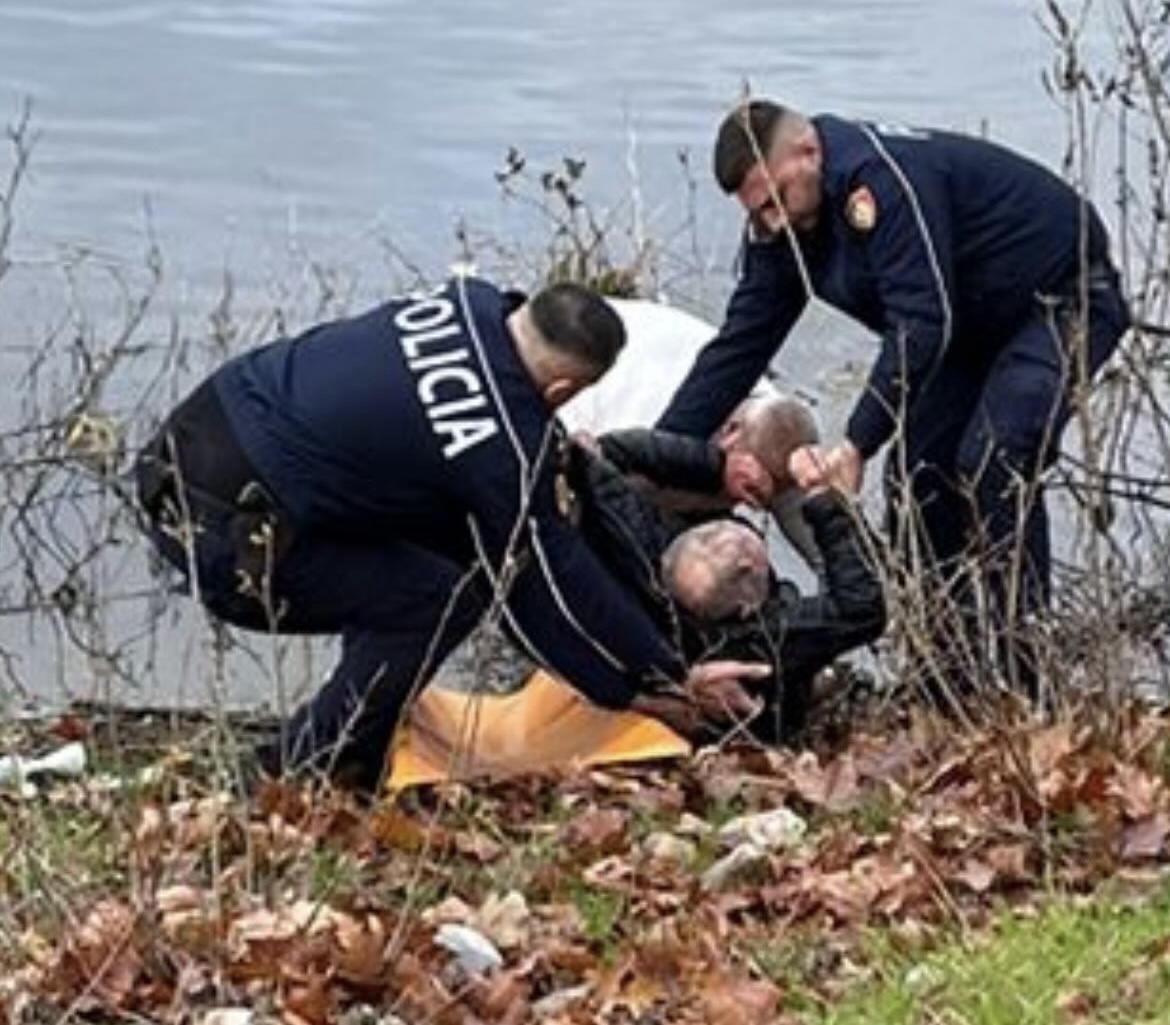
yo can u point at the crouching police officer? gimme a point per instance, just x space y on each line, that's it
990 283
388 477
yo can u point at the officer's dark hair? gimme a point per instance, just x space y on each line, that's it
577 322
744 136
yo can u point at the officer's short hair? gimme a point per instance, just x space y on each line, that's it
577 322
744 135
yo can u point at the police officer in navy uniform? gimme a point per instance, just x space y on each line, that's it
393 477
987 278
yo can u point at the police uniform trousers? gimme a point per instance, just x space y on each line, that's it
976 443
399 607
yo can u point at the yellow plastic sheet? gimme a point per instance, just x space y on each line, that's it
545 724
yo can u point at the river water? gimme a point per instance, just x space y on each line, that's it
249 126
250 140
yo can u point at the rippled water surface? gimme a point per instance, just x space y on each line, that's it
244 123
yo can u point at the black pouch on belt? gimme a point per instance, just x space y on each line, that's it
194 474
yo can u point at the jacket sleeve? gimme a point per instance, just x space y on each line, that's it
909 252
558 599
766 303
667 459
850 608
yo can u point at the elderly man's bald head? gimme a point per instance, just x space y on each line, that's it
771 427
717 570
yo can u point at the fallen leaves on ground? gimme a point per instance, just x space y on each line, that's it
650 893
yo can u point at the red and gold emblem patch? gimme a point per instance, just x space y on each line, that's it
861 209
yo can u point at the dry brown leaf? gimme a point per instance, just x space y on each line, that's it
283 798
1075 1005
565 955
977 876
1010 862
1145 840
195 825
503 997
732 1001
100 956
150 832
884 759
845 896
1158 949
955 770
1093 784
1048 748
833 787
276 839
611 873
359 951
262 942
506 921
188 917
307 1001
418 994
636 996
449 909
392 828
69 727
852 894
478 846
598 831
1134 988
1138 793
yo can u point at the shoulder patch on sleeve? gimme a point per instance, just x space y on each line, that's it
861 209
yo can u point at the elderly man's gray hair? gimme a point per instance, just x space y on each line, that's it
717 570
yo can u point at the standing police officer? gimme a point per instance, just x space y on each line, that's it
989 281
392 477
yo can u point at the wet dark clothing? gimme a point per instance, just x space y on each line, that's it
391 477
797 634
969 261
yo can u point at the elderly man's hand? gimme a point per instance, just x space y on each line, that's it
815 468
587 441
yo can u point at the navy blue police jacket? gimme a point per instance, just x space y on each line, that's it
933 240
417 422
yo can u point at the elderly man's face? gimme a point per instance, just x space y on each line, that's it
734 555
743 548
746 469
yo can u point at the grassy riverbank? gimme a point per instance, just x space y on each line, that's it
1015 877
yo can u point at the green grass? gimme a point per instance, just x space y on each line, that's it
600 911
44 848
1096 962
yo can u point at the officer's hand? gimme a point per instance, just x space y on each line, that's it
815 468
846 467
717 690
677 711
745 479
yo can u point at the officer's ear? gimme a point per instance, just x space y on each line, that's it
560 389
